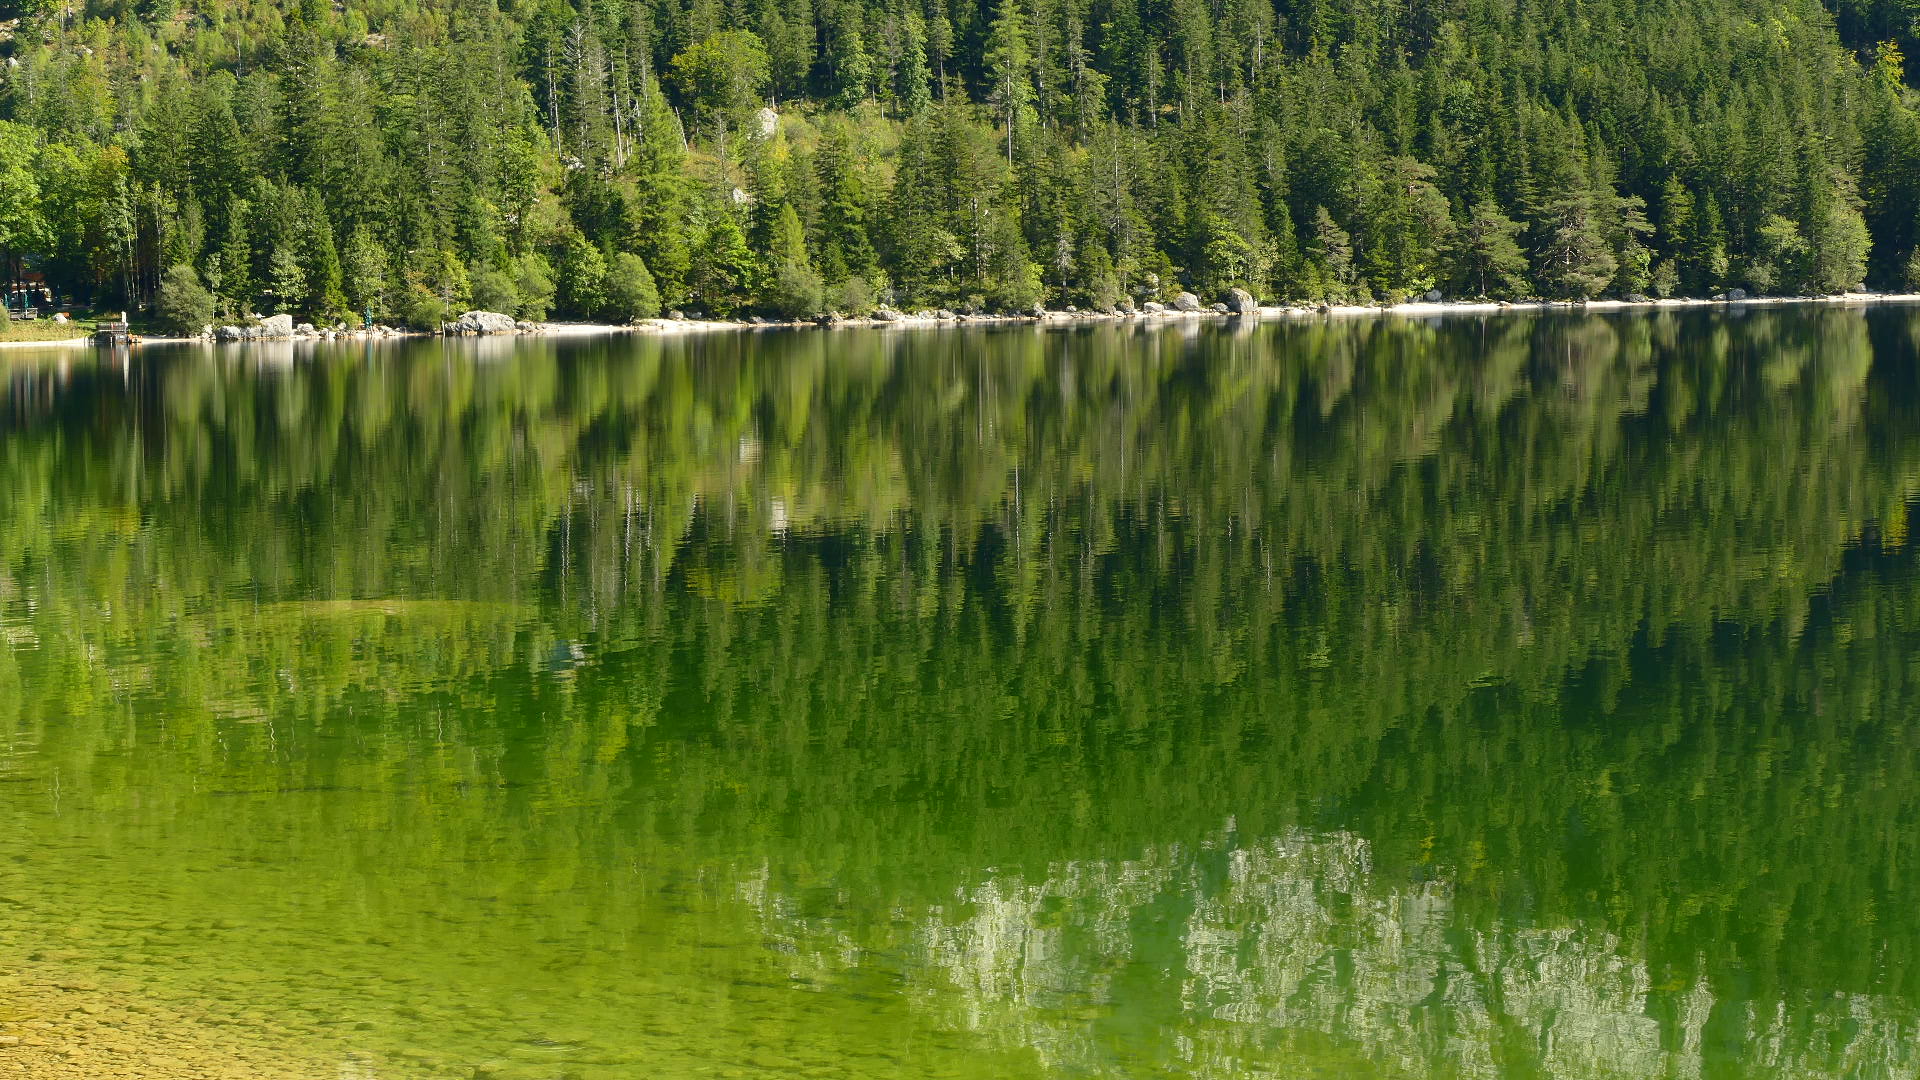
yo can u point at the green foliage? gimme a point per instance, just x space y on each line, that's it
425 311
942 154
288 280
796 290
182 303
533 286
21 225
724 268
1487 257
631 293
723 76
496 290
364 273
582 288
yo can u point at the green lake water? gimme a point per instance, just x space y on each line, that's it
1528 696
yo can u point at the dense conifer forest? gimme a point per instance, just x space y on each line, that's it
615 158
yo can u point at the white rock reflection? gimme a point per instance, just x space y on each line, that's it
1285 957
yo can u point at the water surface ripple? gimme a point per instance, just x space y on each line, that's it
1524 696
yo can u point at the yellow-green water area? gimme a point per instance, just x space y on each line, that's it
1477 697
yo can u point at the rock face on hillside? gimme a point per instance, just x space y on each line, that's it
482 322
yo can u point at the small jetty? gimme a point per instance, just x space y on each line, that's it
111 333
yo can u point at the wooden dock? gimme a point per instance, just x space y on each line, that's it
111 333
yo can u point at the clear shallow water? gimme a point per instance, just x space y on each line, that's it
1478 698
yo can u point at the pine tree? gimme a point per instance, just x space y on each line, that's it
1330 253
1009 64
1486 254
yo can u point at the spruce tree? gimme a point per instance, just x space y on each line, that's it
1486 254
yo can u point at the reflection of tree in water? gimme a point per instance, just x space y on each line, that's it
1520 614
1242 954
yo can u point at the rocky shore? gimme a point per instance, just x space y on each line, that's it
1235 305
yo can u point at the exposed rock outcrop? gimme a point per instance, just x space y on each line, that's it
482 322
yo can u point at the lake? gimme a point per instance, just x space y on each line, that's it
1513 696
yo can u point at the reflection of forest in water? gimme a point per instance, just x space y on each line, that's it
1527 694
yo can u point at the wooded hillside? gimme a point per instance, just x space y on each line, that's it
607 158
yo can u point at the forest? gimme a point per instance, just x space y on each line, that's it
615 159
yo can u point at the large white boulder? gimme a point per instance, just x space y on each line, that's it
484 322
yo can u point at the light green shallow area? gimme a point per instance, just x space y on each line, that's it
1523 696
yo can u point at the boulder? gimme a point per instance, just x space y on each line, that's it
944 315
483 322
60 317
1218 309
1720 296
1635 298
305 328
526 327
1186 301
230 333
768 122
887 315
1736 294
1240 302
1431 296
276 326
1153 307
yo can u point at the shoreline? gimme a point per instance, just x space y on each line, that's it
918 320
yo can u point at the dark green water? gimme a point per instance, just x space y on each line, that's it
1523 697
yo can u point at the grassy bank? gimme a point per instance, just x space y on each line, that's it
18 330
